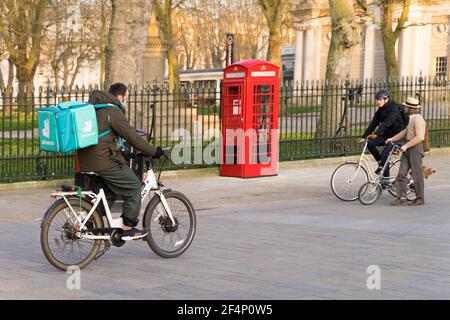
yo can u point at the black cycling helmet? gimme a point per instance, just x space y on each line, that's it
382 94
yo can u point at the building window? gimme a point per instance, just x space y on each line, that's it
441 67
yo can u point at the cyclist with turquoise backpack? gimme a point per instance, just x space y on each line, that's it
106 160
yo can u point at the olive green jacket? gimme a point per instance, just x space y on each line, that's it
106 154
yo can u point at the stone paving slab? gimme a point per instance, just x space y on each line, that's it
283 237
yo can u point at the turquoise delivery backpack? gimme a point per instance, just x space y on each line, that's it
69 126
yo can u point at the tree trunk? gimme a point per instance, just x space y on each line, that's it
75 72
10 75
2 82
163 13
24 44
65 75
274 50
127 41
344 36
390 36
102 45
25 89
56 70
272 12
389 40
174 69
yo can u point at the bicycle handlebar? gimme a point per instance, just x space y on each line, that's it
149 159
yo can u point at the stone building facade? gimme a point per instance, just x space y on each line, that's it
422 48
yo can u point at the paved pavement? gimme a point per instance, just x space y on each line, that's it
284 237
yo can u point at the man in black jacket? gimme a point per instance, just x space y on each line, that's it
107 161
388 121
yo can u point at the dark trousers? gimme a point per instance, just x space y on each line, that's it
121 181
411 159
380 158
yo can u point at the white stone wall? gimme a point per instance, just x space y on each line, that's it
425 37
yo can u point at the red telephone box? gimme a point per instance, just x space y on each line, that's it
250 106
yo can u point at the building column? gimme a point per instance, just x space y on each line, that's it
311 61
317 48
298 63
405 53
414 51
422 44
369 52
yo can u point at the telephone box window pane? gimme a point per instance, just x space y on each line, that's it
263 89
233 90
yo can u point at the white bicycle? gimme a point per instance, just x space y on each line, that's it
74 227
371 190
348 177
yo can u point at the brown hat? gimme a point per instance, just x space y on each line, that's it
412 103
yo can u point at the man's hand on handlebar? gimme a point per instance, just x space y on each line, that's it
369 137
159 153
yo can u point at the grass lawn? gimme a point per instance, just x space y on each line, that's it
18 147
18 121
294 109
34 168
208 110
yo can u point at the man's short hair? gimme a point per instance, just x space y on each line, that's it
118 89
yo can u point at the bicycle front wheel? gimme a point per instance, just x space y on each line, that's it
347 179
369 193
164 238
59 242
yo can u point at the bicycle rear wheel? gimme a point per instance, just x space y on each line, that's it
60 245
165 239
347 179
369 193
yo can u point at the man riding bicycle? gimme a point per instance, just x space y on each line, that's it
106 159
389 121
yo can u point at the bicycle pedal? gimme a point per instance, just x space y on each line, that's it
134 238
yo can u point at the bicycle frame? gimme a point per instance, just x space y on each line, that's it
365 162
377 178
150 184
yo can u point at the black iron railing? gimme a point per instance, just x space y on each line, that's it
191 118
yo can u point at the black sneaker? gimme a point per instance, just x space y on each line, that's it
378 170
385 183
133 234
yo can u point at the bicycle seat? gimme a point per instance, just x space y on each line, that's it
88 180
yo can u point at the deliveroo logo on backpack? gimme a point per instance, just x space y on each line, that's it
87 126
46 134
46 130
88 129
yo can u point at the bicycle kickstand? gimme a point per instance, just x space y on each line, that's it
106 248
